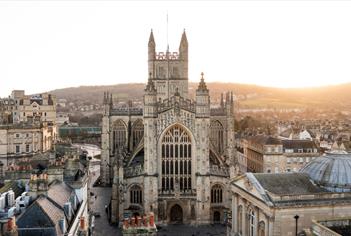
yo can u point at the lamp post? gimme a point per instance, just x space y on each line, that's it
296 220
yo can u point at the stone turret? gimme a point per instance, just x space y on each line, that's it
151 47
202 99
150 99
107 103
183 47
105 143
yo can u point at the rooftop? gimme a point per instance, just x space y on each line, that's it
288 184
331 171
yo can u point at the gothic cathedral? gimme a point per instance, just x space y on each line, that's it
175 155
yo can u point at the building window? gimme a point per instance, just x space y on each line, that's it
288 160
268 170
301 160
27 147
136 195
137 132
119 135
252 226
18 150
276 170
240 218
17 135
176 159
307 159
216 136
216 194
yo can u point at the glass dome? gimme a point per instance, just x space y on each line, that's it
331 171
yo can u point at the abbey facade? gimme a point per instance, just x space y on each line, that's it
175 155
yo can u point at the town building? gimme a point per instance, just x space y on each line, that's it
23 108
57 207
21 140
264 154
275 204
173 156
27 126
267 154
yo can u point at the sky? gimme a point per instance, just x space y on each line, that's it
45 45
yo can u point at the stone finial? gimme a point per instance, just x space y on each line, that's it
150 87
151 39
222 100
177 92
202 85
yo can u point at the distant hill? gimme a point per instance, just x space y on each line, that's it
248 96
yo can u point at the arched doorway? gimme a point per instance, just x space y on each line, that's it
176 214
216 217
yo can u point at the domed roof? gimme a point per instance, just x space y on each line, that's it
331 171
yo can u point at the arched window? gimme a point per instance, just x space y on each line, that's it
261 229
252 225
119 135
240 219
216 136
216 194
136 195
176 159
137 132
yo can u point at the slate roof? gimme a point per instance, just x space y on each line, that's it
265 140
41 218
59 192
288 183
297 144
16 188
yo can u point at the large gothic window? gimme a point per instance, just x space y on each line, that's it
119 135
137 132
216 194
136 195
176 159
216 136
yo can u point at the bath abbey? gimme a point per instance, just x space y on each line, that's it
174 155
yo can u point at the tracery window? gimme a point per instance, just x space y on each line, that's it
136 195
216 136
119 135
137 132
176 159
217 194
252 226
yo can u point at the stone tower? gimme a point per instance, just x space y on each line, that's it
150 146
202 124
169 70
105 141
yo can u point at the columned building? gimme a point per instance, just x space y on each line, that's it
266 204
174 155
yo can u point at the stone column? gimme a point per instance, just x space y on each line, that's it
270 225
234 213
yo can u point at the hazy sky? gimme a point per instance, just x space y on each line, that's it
56 44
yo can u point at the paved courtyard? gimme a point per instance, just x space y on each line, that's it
186 230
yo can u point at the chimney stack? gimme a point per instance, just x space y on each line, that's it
11 227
